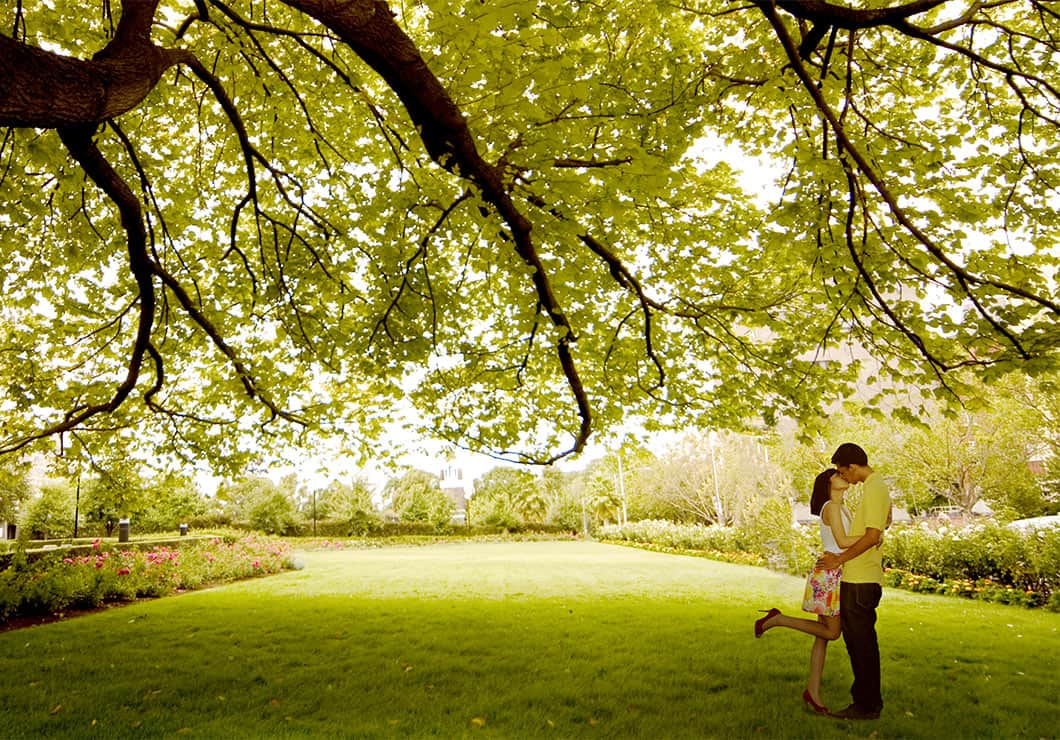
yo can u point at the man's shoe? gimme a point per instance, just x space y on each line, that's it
853 712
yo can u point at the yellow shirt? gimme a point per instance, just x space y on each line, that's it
875 505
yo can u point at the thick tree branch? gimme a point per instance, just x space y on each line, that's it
42 89
82 147
965 279
368 27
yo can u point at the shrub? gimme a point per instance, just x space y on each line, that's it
983 561
980 552
274 513
61 581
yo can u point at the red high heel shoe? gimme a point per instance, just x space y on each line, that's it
760 624
819 708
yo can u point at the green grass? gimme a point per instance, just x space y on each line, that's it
515 640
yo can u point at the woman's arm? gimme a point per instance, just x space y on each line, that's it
832 560
834 519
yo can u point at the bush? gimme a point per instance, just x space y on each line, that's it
983 561
986 553
786 547
61 581
719 543
274 513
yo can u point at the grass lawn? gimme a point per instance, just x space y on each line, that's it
516 640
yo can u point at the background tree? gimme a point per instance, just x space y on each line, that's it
274 512
112 492
269 219
973 456
349 501
345 499
563 500
719 478
623 484
50 514
171 500
1039 401
416 496
952 457
15 488
507 497
263 504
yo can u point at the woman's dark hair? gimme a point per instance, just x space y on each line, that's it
822 489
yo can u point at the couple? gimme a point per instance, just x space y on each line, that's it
845 585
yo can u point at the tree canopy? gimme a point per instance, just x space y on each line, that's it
226 220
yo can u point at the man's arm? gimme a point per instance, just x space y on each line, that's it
832 560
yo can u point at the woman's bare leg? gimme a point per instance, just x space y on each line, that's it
817 656
827 628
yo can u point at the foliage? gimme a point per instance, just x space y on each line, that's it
990 450
1027 562
986 562
770 540
411 535
116 492
14 488
233 227
508 498
416 497
51 514
171 500
61 582
679 536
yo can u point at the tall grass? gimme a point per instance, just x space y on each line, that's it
515 640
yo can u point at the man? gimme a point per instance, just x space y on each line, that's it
862 582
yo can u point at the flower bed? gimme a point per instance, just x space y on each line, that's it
110 573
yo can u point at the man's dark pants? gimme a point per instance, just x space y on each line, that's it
857 613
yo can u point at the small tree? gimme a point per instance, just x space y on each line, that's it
719 478
508 497
417 497
51 514
264 505
171 500
115 492
349 502
14 489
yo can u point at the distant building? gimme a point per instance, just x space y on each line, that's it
456 486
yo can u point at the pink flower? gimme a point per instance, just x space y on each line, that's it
95 543
123 571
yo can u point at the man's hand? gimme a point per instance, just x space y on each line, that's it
829 561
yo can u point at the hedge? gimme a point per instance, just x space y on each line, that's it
984 561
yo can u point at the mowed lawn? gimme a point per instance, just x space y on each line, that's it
515 640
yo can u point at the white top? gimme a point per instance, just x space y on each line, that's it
827 538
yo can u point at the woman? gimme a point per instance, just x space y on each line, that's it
822 586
